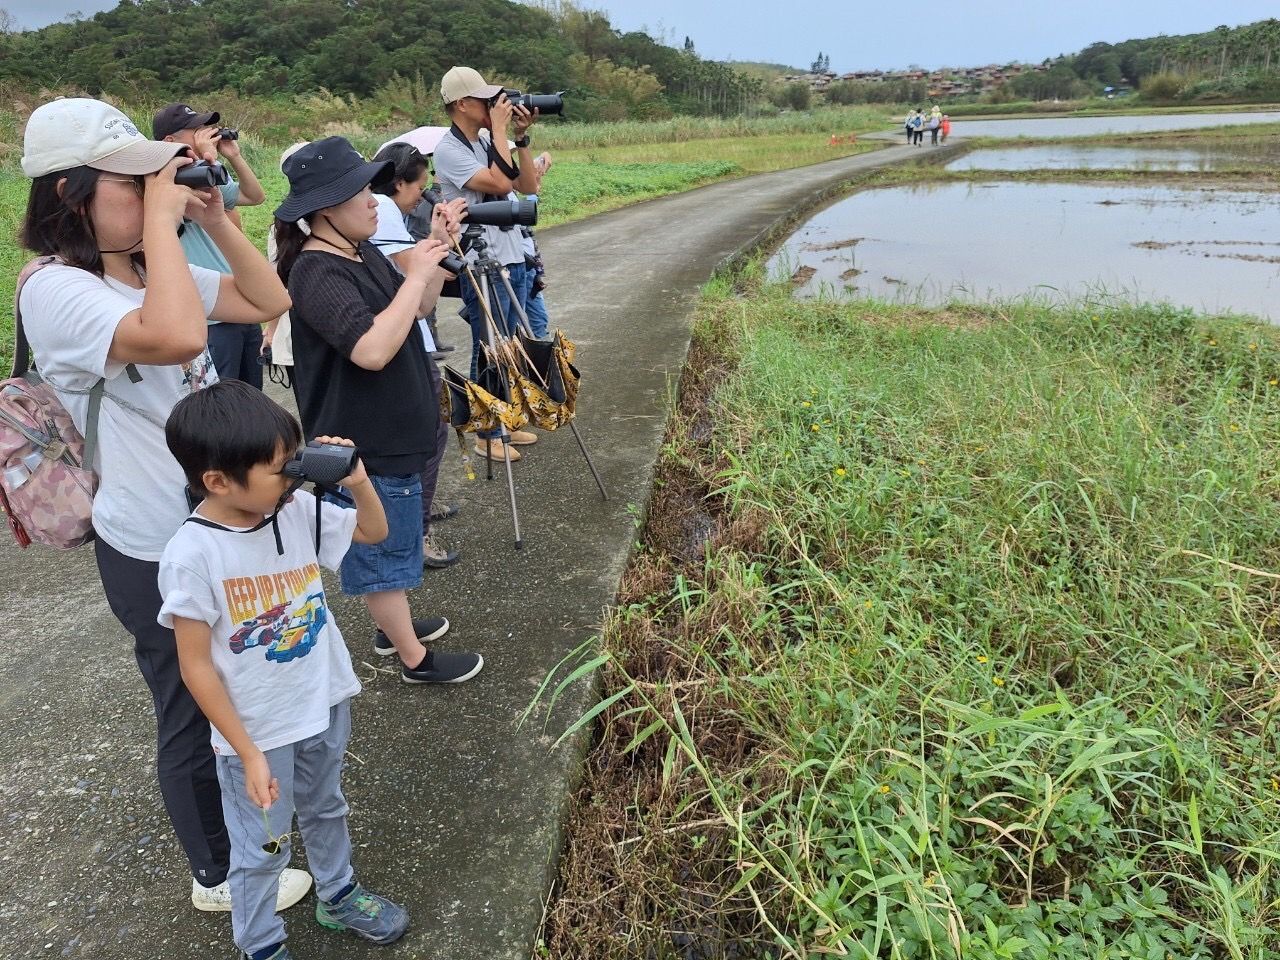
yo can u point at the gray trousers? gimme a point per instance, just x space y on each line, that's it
310 776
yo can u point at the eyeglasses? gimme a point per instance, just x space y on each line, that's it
138 186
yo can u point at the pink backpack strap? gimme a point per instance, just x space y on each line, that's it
21 348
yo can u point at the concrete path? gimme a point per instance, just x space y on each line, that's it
456 810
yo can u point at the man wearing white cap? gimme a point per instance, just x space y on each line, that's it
474 161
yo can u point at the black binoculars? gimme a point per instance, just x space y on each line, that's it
453 263
325 464
202 175
228 133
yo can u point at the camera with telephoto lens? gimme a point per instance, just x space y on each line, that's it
200 176
228 133
504 213
544 103
326 464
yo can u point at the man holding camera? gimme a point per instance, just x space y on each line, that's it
234 347
473 161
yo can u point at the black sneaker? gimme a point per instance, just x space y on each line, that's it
440 667
433 628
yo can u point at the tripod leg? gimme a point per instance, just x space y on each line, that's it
521 316
503 435
511 492
586 456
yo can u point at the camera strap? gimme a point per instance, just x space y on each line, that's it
509 170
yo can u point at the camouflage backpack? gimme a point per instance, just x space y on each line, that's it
47 481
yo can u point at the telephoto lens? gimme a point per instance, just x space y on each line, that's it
504 213
201 175
544 103
325 464
228 133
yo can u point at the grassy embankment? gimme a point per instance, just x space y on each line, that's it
597 167
919 655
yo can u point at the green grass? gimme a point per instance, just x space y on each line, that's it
944 680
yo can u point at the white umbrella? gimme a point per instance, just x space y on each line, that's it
424 138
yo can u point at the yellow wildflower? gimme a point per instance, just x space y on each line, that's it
868 604
998 681
1253 346
1273 381
814 427
1235 427
1213 343
884 788
982 658
806 403
839 471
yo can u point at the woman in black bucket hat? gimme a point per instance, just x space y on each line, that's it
360 371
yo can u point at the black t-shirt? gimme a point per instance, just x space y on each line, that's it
391 413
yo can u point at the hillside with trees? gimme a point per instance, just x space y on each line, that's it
158 49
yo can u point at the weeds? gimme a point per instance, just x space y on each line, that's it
945 675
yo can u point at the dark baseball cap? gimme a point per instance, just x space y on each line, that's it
178 116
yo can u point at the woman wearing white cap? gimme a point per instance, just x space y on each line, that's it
100 309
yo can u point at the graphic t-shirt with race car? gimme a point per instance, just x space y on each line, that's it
275 646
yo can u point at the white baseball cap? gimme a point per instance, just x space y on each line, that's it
462 82
76 131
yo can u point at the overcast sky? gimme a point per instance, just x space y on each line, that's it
869 34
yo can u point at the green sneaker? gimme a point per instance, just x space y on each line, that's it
366 915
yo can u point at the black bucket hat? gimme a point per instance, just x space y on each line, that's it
326 173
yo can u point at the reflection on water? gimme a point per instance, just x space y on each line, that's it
1091 126
1066 157
1211 250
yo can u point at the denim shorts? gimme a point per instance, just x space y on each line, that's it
396 562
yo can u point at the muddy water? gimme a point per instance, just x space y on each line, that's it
1092 126
1211 250
1066 157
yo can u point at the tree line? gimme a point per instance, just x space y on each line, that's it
163 49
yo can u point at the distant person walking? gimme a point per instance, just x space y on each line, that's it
917 128
906 125
935 125
946 127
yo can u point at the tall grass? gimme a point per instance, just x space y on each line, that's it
969 650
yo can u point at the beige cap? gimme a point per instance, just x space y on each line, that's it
79 132
462 82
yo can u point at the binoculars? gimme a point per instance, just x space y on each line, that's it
324 464
202 175
228 133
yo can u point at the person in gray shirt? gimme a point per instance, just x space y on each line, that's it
473 161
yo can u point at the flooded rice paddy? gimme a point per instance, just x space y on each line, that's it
1210 250
1198 158
1093 126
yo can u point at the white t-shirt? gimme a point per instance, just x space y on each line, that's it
391 237
275 646
70 317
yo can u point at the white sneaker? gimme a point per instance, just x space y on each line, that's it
294 885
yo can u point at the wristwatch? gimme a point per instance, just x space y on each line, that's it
522 142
